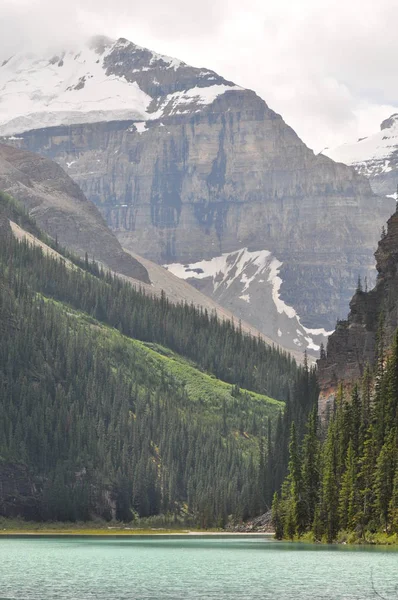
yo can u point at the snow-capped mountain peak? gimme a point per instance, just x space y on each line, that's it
370 154
105 80
375 156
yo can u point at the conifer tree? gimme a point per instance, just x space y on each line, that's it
348 500
393 507
384 481
367 463
310 467
277 519
329 489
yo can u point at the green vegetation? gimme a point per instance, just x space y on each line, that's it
122 406
343 484
149 525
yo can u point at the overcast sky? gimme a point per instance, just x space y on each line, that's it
328 66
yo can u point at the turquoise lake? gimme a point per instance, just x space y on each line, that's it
175 568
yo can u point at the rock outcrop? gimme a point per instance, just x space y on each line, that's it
23 494
60 209
5 228
353 344
20 494
195 167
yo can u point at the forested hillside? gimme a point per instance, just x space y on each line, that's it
114 403
344 482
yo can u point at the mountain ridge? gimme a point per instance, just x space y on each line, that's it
61 209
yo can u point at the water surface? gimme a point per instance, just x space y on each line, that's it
172 568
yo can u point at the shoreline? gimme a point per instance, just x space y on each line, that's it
132 534
372 541
178 534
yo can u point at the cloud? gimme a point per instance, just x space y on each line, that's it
327 66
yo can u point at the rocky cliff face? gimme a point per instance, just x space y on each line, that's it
199 167
20 495
5 228
61 209
23 494
353 344
375 157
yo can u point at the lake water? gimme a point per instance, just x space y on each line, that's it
154 568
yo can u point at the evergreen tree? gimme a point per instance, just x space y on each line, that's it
329 486
393 507
348 500
384 481
310 463
277 519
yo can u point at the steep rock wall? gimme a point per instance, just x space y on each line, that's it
353 344
231 175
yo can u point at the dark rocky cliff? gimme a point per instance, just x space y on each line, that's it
353 344
23 494
20 495
5 228
60 208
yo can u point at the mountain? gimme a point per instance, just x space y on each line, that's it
375 156
61 209
187 167
355 344
115 404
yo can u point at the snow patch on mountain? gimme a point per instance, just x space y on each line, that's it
276 281
141 127
252 277
371 155
73 89
376 147
183 102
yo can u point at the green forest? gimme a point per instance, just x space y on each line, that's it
120 405
123 405
342 482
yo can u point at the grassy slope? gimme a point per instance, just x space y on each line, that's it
206 393
202 387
